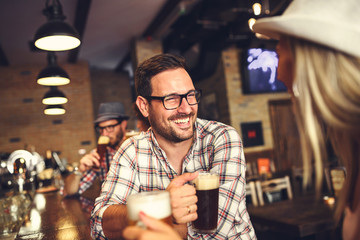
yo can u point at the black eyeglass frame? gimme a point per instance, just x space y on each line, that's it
101 129
197 92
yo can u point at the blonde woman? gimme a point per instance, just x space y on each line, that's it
319 61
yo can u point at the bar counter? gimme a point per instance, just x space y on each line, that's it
54 217
300 218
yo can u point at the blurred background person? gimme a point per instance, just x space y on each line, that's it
111 121
319 62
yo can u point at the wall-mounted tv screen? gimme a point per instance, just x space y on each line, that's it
259 66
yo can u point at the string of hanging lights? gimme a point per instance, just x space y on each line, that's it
55 35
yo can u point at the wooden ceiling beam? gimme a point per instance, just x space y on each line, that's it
3 59
81 15
168 8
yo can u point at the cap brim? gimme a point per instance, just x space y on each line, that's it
328 33
296 26
110 117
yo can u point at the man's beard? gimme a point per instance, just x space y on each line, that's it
168 132
119 138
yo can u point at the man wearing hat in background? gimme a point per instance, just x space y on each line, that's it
111 122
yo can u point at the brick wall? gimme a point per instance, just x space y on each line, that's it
23 125
247 108
236 108
110 86
143 49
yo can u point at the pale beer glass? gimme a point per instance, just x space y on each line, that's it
207 192
155 204
103 142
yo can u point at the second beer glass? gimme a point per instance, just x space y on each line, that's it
207 191
155 204
103 142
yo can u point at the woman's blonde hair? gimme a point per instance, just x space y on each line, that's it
327 101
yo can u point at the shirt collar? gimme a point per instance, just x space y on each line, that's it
160 153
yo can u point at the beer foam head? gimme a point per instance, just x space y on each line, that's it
155 204
103 140
206 181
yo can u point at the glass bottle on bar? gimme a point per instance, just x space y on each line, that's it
45 177
49 163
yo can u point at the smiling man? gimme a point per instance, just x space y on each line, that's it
176 147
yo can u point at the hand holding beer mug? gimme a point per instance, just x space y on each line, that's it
103 142
155 204
155 229
207 192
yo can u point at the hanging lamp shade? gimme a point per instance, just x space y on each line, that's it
54 110
56 35
53 75
54 97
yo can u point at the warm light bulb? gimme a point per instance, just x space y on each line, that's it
256 8
53 81
54 100
57 43
54 111
251 23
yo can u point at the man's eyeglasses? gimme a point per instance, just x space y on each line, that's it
109 128
173 101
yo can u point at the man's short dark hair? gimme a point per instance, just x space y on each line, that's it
152 66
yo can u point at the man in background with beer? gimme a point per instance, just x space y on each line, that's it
111 124
170 154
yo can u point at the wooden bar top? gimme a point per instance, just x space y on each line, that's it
54 217
300 217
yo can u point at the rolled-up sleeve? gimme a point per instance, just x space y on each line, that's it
120 182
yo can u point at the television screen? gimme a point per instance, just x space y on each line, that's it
259 71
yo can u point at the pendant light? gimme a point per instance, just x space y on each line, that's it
54 110
54 97
53 75
56 35
256 7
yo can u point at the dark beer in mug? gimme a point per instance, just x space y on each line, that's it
207 192
155 204
103 142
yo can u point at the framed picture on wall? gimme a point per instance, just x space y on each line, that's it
252 134
208 108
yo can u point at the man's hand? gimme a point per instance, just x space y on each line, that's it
89 160
155 229
183 198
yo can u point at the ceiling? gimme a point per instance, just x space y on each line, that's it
197 29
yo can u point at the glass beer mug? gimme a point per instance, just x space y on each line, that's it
207 192
155 204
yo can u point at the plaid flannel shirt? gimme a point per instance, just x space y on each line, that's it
141 165
88 177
